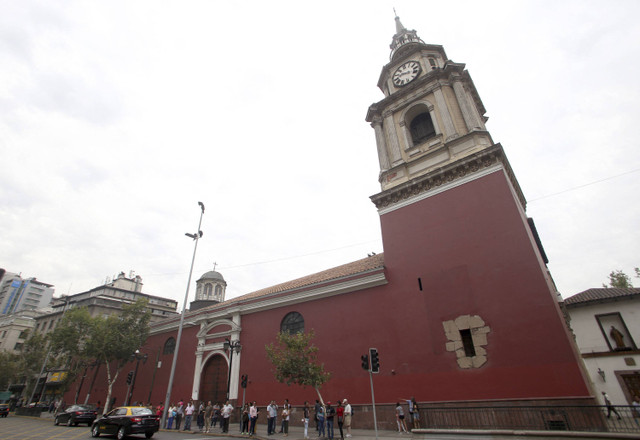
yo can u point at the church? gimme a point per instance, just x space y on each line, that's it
460 305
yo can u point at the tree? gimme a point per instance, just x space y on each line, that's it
115 338
295 361
8 369
30 359
70 344
619 279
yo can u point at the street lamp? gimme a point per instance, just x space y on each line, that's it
196 237
139 357
231 347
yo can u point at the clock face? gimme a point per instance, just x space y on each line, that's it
406 73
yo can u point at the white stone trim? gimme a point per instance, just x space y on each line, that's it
445 187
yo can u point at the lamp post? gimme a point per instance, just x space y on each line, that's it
195 237
138 357
231 347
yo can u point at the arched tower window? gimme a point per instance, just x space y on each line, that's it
421 128
218 291
207 290
169 346
292 323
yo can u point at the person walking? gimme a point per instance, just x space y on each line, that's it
200 417
610 407
171 414
208 413
245 419
217 414
284 406
320 414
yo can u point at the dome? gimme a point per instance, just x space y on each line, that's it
212 275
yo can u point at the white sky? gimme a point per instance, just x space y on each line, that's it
117 117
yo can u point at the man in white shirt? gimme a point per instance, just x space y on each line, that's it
227 409
347 416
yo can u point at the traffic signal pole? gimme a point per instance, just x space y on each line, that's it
371 363
373 401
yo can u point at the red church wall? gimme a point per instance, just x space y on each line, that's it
471 249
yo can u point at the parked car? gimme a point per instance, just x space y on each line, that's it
76 414
4 410
127 420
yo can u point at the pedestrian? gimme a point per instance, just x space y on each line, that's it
171 414
188 415
635 405
200 418
416 413
340 416
245 419
216 415
253 418
402 427
330 414
227 409
610 407
347 416
316 408
285 419
320 414
160 409
305 418
179 414
272 414
208 413
284 405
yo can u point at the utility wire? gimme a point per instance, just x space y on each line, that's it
582 186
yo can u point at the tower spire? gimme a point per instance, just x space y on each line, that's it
403 37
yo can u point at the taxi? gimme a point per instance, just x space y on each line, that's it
126 420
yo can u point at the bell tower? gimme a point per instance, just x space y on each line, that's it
465 264
431 116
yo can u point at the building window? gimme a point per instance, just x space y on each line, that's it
421 128
207 290
169 346
467 338
292 323
218 291
433 64
18 346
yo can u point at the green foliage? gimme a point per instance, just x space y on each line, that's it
295 360
30 359
69 343
9 371
619 279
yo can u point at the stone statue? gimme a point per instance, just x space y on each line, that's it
618 337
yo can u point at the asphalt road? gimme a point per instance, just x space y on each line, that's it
31 428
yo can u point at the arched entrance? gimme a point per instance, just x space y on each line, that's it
213 382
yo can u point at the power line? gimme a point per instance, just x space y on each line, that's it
582 186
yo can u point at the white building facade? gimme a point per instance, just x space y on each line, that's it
606 325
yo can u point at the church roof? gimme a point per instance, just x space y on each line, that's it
212 275
598 295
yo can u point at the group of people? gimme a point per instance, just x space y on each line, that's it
414 413
207 416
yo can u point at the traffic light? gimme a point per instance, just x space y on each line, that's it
375 362
245 378
365 362
129 377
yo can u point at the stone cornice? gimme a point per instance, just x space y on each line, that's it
465 169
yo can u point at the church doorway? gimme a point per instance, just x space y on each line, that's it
213 382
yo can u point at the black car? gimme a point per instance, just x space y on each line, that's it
76 414
4 410
127 420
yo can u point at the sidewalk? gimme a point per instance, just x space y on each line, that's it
297 433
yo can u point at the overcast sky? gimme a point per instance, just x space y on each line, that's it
117 117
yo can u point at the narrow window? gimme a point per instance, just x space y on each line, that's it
420 284
432 63
169 346
467 342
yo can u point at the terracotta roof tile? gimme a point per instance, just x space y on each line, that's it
601 294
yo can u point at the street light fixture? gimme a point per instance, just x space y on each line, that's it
196 237
139 357
231 347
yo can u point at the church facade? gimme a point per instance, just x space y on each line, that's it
460 306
